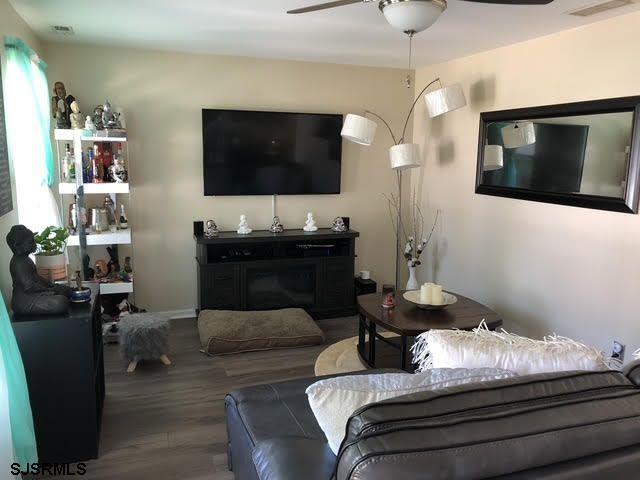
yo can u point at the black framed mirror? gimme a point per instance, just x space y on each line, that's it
584 154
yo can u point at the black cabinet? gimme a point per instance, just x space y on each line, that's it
63 362
264 271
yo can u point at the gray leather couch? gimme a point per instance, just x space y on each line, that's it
575 425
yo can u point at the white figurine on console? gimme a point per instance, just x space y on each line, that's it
310 224
243 227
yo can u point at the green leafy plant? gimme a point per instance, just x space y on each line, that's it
51 241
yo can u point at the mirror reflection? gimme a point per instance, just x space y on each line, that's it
584 155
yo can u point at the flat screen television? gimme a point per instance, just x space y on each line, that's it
267 153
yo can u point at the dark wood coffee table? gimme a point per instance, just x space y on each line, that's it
407 320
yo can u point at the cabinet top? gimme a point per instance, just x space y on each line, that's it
266 235
77 311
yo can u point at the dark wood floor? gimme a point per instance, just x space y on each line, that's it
168 423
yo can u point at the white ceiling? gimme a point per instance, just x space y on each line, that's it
356 34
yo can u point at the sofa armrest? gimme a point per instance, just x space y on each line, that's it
632 371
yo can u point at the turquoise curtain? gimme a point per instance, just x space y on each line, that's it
16 398
32 100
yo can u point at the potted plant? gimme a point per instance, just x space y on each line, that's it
50 258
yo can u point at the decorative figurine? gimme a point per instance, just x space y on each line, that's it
80 294
388 296
102 269
128 270
89 125
61 105
109 118
32 294
97 118
276 226
338 225
122 120
243 227
211 230
75 117
310 224
118 171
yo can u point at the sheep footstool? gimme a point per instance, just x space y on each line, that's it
144 336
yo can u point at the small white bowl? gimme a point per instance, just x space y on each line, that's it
413 296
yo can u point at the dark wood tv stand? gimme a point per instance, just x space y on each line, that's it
265 271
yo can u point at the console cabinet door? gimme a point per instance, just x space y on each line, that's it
220 287
338 282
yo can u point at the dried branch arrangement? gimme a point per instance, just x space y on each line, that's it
413 236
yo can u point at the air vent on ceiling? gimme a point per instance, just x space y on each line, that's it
601 8
62 29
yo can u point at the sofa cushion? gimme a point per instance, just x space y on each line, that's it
225 331
333 400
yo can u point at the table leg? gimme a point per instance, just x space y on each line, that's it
361 333
403 352
372 344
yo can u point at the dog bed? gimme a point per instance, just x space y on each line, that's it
225 331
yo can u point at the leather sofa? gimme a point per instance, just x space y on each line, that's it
572 425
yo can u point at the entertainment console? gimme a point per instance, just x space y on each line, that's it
264 271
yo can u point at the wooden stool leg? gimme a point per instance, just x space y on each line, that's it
132 366
164 359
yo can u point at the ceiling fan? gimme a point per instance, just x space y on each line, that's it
411 16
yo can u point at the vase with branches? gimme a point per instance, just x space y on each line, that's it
411 235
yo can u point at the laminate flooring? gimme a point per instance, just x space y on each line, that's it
168 422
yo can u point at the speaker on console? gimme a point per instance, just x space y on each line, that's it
346 221
198 228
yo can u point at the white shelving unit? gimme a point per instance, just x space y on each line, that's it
80 139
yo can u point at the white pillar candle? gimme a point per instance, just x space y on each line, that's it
436 295
425 294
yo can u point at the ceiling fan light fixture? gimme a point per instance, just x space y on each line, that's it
444 100
359 129
519 134
412 16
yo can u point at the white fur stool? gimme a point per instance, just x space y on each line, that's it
144 336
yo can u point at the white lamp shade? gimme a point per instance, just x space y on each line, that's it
404 156
518 135
359 129
412 16
493 157
445 100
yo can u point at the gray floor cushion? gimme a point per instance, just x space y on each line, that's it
224 331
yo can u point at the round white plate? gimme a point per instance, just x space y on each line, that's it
413 296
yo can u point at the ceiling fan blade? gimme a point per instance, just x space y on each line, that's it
513 2
325 6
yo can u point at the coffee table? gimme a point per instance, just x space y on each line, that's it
407 320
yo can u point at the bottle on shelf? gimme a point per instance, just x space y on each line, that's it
106 156
87 166
72 166
124 223
66 164
97 166
73 216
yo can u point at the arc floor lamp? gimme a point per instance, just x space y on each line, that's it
403 156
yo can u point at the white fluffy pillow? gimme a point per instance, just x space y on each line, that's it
334 400
482 348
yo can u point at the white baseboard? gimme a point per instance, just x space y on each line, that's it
176 314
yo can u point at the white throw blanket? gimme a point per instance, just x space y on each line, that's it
334 400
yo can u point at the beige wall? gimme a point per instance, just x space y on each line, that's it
12 25
544 267
163 94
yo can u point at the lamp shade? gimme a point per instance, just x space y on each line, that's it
445 100
359 129
414 15
518 135
493 158
404 156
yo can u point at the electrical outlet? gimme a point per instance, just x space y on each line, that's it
618 351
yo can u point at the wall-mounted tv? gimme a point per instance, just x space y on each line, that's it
266 153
